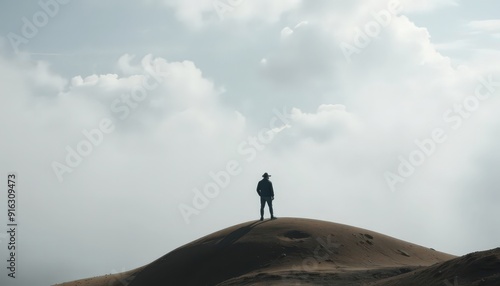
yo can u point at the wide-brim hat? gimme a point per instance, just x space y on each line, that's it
266 175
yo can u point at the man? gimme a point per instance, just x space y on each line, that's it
266 193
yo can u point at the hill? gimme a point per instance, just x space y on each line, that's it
293 251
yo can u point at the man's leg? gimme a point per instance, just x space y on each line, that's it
270 204
262 205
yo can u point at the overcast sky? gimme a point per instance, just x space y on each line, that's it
135 128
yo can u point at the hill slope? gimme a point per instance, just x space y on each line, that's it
474 269
284 251
292 251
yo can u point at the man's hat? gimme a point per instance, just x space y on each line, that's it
266 175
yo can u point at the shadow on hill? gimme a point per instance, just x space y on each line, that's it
237 234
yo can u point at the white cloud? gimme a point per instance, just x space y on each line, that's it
197 13
264 10
176 140
304 56
396 90
286 32
125 66
426 5
191 12
487 26
329 121
301 24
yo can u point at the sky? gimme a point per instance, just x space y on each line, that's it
133 128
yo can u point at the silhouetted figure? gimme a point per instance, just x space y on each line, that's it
266 193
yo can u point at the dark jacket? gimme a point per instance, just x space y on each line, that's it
265 188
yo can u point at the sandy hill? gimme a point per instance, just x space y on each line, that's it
474 269
292 251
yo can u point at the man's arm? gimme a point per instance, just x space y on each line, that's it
272 190
258 188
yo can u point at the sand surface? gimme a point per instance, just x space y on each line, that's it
293 251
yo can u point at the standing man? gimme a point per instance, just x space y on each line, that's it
266 193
